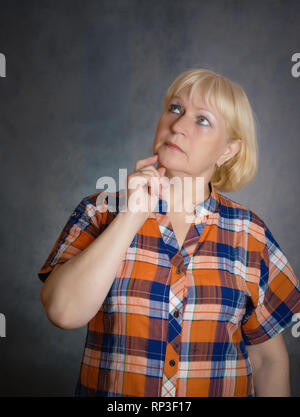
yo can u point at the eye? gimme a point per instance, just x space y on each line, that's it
175 108
202 118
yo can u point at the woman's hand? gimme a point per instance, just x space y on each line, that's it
144 186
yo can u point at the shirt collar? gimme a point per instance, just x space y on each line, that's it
205 208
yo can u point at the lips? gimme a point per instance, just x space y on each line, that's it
172 145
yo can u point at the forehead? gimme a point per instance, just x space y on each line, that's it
200 99
197 97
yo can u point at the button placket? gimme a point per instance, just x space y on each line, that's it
179 270
174 332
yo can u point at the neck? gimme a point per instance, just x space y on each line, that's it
184 194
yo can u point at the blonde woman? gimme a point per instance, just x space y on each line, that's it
178 302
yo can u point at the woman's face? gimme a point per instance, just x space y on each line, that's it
198 131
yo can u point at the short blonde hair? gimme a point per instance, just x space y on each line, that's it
230 100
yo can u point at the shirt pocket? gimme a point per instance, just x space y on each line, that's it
215 294
140 283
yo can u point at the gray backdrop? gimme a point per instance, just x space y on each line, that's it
81 99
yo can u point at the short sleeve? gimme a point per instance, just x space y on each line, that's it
83 226
277 295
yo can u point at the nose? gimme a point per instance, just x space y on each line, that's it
180 125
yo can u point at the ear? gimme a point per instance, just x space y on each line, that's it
231 149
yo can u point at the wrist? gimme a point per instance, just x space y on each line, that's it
137 218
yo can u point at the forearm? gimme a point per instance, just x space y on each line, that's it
74 292
272 379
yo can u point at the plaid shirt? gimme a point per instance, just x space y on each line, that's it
176 321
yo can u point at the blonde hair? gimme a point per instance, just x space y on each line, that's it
230 100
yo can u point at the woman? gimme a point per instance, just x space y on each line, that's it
186 302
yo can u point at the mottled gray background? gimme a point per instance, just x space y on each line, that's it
82 98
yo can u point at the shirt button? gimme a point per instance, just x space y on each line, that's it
176 314
172 362
178 270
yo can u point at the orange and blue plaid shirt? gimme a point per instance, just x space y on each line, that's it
176 321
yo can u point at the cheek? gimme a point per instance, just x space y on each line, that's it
163 123
204 150
156 143
160 132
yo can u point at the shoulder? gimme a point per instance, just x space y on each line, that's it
96 211
231 208
242 218
104 201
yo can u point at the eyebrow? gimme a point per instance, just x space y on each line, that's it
198 108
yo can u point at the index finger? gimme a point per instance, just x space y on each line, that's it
142 163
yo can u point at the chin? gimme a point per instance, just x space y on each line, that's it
169 162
